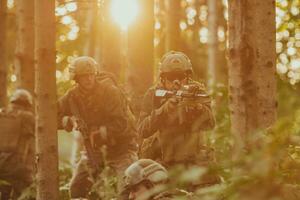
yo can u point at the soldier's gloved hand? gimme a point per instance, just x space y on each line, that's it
99 137
169 106
198 107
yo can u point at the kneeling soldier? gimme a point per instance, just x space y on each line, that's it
16 145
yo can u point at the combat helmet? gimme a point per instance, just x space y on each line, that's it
21 96
82 65
145 170
175 61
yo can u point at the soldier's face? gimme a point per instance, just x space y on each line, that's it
175 84
139 192
174 80
86 81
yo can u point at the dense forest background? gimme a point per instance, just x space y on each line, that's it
128 38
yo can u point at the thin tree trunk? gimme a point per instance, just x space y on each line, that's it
195 50
173 16
252 81
99 32
91 26
3 66
45 89
160 48
212 43
111 41
24 58
141 51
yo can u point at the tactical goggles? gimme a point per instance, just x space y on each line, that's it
172 76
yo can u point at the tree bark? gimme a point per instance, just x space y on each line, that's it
173 16
141 51
111 60
3 66
160 33
212 43
45 108
252 81
91 25
24 55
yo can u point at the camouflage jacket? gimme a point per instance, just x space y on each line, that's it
20 126
104 106
179 142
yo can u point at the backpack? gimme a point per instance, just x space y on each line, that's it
10 131
105 77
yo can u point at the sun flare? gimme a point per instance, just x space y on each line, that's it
124 12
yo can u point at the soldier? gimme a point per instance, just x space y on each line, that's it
101 105
146 179
174 114
16 145
142 176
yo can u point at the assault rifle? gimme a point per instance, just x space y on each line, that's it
191 91
83 129
81 126
189 96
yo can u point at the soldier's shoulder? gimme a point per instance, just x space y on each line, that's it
18 113
106 87
25 114
74 90
105 77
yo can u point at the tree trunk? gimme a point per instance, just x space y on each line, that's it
111 60
195 50
160 33
173 16
91 26
45 108
212 43
24 58
141 51
252 81
3 67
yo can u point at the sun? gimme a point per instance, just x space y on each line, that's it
124 12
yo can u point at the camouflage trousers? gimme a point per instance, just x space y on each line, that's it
14 175
82 181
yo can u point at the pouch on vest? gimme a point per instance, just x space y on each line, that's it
10 132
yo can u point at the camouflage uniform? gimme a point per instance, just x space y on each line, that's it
104 106
181 143
17 144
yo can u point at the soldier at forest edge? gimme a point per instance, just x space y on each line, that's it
17 147
99 105
174 114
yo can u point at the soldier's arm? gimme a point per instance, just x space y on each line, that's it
149 120
63 110
115 111
206 114
209 122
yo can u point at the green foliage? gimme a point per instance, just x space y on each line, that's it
105 186
65 174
